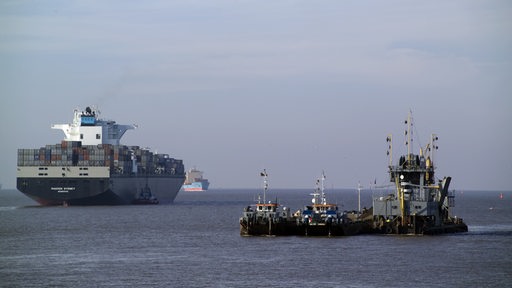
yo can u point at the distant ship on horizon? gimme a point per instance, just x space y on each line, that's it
194 181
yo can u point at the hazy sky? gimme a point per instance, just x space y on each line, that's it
295 87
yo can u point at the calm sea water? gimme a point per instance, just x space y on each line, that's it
195 243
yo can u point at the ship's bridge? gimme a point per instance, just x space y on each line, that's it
91 130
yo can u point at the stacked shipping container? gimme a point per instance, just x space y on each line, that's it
120 159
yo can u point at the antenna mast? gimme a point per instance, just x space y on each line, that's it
324 201
359 187
408 134
265 185
433 147
389 139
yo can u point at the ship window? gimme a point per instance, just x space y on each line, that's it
98 136
81 136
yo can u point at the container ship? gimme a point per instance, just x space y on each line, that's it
91 167
194 181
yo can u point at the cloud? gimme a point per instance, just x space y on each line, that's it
341 70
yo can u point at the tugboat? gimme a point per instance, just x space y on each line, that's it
419 204
145 197
325 219
267 219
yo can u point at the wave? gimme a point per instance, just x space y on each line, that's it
494 229
8 208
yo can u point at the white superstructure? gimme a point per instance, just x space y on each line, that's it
91 130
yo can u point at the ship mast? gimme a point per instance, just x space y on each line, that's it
324 200
319 194
409 159
408 136
265 185
433 147
389 139
359 187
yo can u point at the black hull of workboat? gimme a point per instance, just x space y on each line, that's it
294 229
266 229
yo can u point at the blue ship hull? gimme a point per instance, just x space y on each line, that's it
196 186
